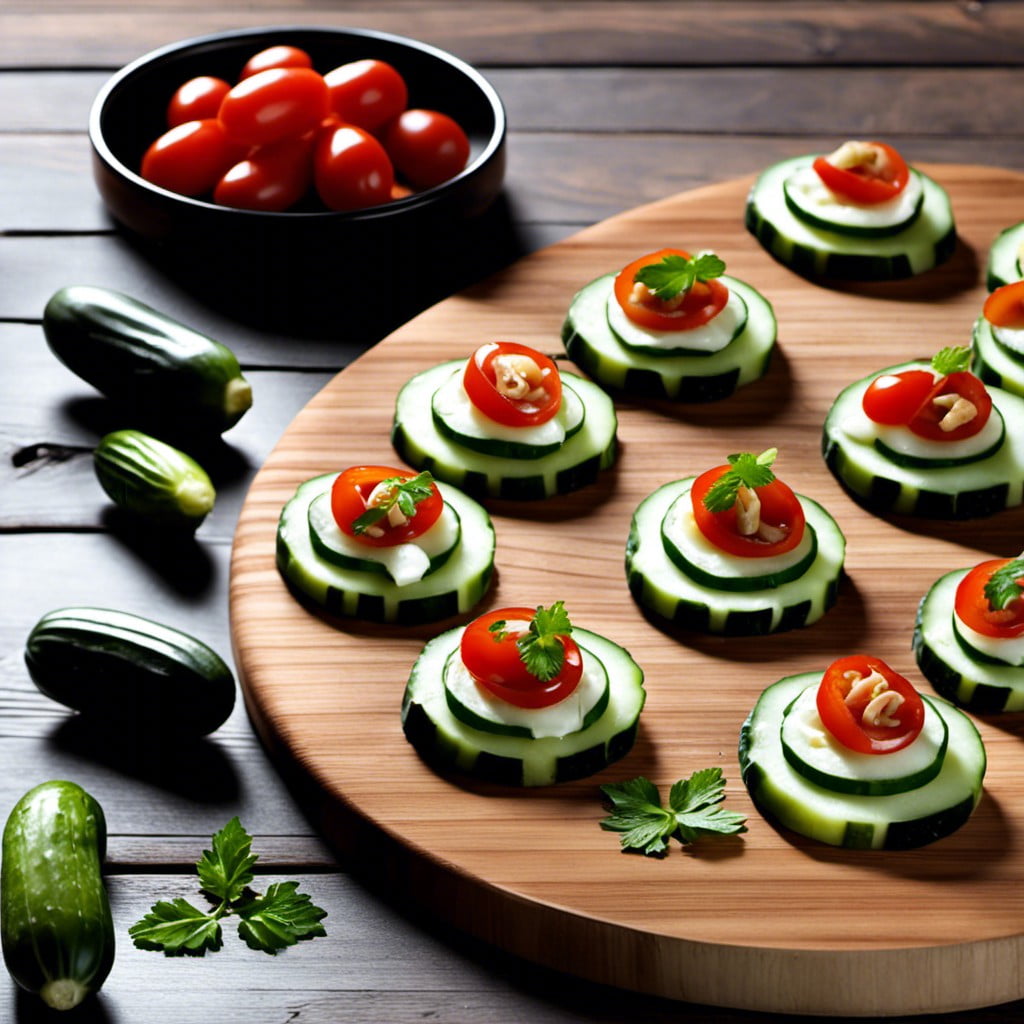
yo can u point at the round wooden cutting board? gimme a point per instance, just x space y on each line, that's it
765 920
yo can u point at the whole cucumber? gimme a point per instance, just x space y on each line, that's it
55 922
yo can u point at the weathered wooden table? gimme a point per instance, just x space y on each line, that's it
610 104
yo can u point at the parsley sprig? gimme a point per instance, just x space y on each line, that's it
279 918
674 275
1004 585
540 647
951 359
694 810
406 494
747 470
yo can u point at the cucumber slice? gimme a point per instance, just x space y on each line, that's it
453 589
449 744
663 588
705 377
896 821
976 683
815 252
404 563
816 755
1004 257
979 488
458 420
922 453
575 464
995 363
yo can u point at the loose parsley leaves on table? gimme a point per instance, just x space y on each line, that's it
269 922
693 810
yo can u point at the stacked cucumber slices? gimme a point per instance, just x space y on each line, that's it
998 338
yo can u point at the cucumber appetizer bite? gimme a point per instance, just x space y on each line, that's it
856 757
734 551
998 340
929 440
969 636
1004 257
505 424
671 326
857 214
385 545
522 697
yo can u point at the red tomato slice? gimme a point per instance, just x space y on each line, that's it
908 399
274 177
281 56
351 492
974 610
366 93
1005 306
190 158
894 398
780 508
197 99
843 714
865 184
274 104
703 302
426 147
351 171
480 380
494 661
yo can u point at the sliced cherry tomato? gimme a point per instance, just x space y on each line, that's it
198 99
366 93
350 169
895 398
190 158
703 302
780 509
973 608
494 661
273 177
274 104
1005 306
909 398
281 56
505 387
866 183
426 146
842 706
350 498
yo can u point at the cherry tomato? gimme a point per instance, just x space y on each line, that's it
274 104
273 177
1005 306
494 661
350 169
198 99
366 93
499 371
275 57
894 398
350 495
190 158
909 398
426 146
780 508
974 610
704 301
865 184
842 708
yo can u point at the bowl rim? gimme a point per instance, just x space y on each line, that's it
427 196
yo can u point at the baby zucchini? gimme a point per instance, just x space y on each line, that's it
55 921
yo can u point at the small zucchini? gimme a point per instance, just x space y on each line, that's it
153 479
140 357
55 921
129 672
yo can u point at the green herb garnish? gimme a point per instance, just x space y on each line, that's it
675 275
279 918
541 648
693 811
952 359
746 470
406 494
1004 585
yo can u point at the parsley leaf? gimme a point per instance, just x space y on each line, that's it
541 648
693 810
745 470
405 494
675 275
1004 585
177 927
226 870
279 918
951 359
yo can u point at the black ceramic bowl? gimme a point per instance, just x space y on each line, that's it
296 269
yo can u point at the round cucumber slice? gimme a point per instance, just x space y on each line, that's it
995 363
1004 257
988 444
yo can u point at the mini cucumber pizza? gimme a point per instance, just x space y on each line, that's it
505 424
856 757
928 439
857 214
734 551
385 545
671 326
969 636
1004 257
522 697
998 339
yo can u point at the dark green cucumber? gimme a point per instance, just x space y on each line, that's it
995 363
55 921
153 479
142 358
125 671
1004 257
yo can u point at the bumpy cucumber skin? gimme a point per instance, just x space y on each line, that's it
124 671
140 357
55 922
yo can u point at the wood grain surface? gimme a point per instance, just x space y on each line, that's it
766 921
